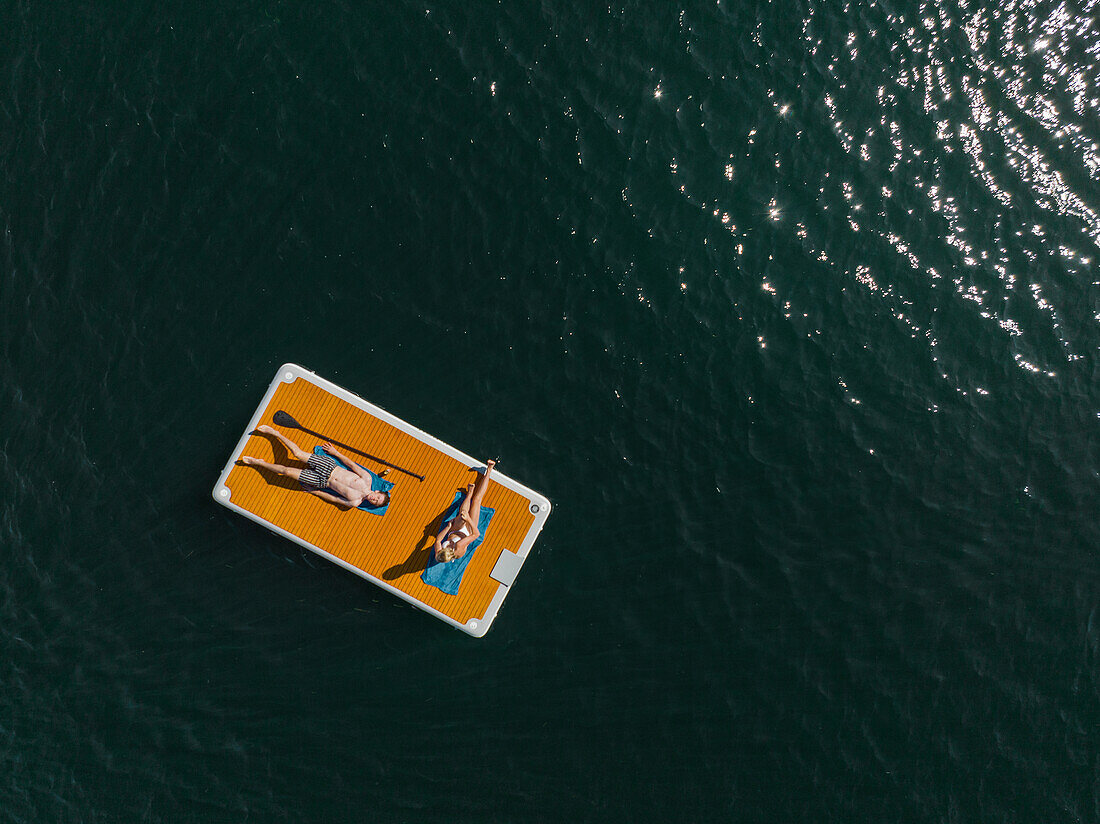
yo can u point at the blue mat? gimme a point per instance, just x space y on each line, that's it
447 577
375 483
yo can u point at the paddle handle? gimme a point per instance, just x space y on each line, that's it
281 418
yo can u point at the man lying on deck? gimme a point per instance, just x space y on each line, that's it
352 486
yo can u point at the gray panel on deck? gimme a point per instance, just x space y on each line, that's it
506 568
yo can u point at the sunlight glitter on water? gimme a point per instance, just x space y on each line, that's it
1027 55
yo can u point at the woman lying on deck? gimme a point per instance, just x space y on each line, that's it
353 486
461 531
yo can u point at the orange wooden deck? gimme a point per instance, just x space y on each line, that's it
393 547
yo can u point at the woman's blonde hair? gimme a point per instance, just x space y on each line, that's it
445 555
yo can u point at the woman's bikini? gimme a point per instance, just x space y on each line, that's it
463 532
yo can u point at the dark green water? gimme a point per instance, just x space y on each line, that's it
790 308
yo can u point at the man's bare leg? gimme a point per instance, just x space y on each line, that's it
289 471
298 453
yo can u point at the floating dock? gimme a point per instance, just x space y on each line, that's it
393 549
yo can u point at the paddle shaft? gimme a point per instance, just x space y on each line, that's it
284 419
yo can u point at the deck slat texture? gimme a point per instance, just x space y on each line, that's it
393 548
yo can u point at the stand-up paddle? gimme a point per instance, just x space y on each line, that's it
281 418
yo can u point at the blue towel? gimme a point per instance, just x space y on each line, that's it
375 483
447 577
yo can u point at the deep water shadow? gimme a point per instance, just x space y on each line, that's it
418 560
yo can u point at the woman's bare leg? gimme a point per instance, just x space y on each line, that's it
465 508
289 471
479 492
295 450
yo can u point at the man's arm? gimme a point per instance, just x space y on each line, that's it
332 499
348 462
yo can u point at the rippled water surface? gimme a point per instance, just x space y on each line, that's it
792 309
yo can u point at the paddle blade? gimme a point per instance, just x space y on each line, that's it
281 418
